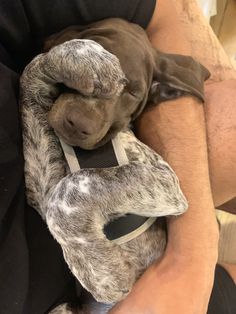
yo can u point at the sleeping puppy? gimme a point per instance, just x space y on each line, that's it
89 94
88 118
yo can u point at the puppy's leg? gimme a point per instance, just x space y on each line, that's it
85 201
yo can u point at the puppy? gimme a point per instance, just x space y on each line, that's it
87 95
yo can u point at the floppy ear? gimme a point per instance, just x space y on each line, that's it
175 76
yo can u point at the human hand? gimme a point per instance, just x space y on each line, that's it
173 285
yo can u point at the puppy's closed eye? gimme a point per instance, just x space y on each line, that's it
134 88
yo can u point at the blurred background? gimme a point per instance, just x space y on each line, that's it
221 15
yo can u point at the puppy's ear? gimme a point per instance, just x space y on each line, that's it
175 76
72 32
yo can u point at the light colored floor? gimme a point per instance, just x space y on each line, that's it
224 25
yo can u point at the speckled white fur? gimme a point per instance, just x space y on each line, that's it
77 206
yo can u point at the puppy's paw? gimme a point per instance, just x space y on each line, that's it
86 66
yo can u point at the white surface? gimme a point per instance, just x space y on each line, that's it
208 8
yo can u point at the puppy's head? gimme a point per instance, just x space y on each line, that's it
90 122
151 76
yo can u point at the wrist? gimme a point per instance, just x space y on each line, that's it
197 255
197 251
194 234
203 259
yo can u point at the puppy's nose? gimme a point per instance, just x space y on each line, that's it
79 125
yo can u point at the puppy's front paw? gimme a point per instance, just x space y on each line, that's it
86 66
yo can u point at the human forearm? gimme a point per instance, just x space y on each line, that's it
176 130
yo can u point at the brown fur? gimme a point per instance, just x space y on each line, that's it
151 76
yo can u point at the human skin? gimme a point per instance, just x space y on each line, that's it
192 138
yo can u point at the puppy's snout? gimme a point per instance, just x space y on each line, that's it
76 124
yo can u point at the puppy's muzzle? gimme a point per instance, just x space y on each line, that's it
77 125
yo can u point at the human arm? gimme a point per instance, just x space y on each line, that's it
176 129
